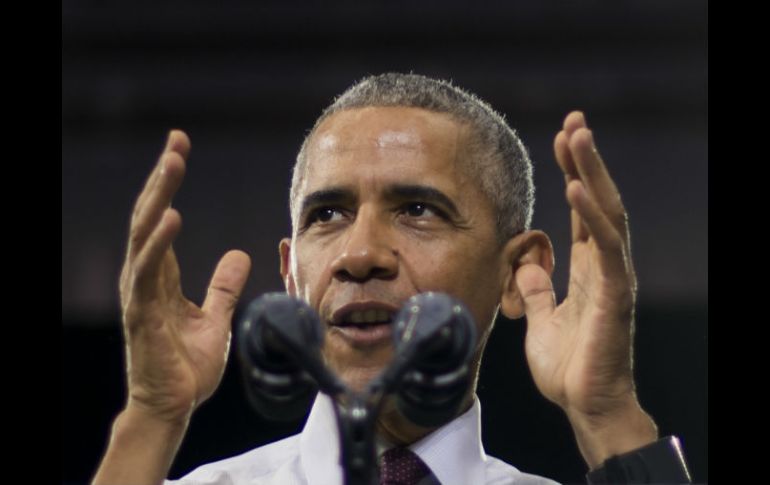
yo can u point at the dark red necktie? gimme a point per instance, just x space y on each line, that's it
400 466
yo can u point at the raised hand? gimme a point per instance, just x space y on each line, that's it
580 352
176 351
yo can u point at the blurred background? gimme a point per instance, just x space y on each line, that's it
247 79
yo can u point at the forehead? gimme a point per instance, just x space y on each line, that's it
396 142
386 127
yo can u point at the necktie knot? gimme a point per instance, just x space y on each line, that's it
400 466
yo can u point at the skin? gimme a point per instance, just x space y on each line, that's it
382 249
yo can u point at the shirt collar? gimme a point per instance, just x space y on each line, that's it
453 452
319 444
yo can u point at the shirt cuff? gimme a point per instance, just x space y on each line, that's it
659 462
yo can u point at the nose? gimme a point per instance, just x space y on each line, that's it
367 252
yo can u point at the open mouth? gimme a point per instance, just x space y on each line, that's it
364 327
365 318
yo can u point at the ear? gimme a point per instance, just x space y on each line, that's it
530 247
284 250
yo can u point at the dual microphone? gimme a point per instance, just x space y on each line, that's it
281 340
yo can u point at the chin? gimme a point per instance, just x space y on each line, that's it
357 367
358 378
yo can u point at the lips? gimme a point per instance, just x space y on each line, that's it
364 324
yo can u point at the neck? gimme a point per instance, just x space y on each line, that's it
395 428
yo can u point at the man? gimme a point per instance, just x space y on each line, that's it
404 185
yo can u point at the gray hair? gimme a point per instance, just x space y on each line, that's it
500 160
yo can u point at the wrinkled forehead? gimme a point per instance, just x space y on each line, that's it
373 134
397 128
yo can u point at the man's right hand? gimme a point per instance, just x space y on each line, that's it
176 351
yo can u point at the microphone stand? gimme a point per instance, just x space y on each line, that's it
356 424
356 415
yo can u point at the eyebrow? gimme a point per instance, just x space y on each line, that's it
345 195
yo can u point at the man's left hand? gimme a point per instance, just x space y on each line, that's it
580 352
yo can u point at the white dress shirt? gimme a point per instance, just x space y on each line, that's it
453 453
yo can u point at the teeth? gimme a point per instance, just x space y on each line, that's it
368 316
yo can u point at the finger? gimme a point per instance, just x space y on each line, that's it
567 164
578 228
148 263
596 178
227 284
612 254
158 200
148 185
536 290
573 121
564 156
177 141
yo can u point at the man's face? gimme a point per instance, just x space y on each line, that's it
388 209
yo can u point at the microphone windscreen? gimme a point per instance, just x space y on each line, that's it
274 330
438 334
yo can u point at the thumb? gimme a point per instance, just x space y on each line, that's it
226 284
536 290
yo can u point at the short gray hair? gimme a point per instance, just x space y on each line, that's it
501 160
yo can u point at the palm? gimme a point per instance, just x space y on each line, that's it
181 352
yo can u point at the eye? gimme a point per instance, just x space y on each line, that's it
416 209
420 209
323 215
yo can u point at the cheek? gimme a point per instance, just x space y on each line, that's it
462 270
309 272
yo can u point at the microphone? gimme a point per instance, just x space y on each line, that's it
279 337
435 337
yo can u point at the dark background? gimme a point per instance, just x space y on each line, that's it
246 80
